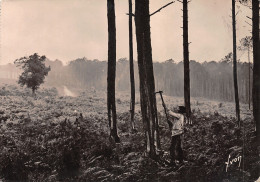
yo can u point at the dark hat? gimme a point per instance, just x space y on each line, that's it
182 109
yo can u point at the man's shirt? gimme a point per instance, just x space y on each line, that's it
178 123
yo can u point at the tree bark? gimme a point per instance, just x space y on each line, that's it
186 59
249 84
131 64
142 73
150 77
235 61
256 71
111 70
146 75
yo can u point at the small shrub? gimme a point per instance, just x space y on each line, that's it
68 161
124 127
216 127
12 166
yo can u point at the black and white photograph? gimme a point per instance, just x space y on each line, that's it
129 91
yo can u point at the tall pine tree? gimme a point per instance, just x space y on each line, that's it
111 70
256 68
186 60
235 61
131 65
146 75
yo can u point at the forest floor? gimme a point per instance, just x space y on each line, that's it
37 144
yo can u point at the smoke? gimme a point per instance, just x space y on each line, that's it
67 92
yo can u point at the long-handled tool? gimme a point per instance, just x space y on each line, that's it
165 110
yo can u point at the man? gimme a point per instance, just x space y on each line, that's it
177 120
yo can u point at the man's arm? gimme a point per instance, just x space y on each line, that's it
168 119
176 115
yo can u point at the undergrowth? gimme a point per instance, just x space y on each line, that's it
51 148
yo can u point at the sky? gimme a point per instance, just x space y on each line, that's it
71 29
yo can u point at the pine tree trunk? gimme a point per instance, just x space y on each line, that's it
150 77
235 61
111 69
186 59
146 75
256 68
142 72
131 64
249 86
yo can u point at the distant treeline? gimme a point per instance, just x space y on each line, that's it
213 80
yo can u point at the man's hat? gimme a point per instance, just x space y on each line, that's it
182 109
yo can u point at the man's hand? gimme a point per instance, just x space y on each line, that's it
167 110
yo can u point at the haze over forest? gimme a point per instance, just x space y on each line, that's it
211 80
